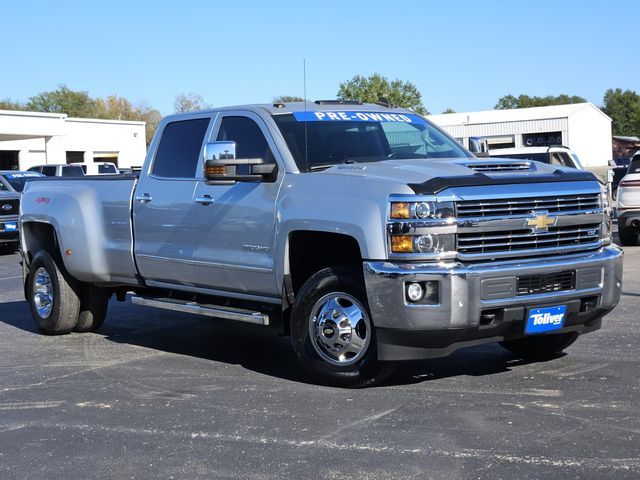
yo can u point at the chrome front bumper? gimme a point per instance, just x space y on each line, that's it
465 291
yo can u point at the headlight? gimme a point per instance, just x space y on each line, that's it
433 243
421 210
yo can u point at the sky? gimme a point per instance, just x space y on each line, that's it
460 54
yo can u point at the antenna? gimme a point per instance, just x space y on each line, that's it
306 138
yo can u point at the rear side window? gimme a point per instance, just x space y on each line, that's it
107 169
72 171
49 171
179 148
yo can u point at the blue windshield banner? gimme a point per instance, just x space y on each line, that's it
21 175
347 116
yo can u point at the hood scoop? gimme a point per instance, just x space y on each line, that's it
498 166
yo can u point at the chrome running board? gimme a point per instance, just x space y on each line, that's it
226 313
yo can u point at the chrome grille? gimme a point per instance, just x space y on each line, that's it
525 239
500 167
522 206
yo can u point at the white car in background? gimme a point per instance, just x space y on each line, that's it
98 168
556 155
628 203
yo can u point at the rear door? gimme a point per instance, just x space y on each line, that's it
235 224
163 206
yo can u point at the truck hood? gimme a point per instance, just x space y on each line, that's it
431 176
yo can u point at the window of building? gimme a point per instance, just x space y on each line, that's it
179 148
543 139
505 141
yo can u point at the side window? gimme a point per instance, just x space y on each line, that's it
49 171
179 148
250 142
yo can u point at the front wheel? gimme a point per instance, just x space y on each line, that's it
52 296
332 332
541 346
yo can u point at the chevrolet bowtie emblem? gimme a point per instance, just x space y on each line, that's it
541 222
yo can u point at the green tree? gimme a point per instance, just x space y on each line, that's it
287 99
376 88
624 109
449 110
8 104
525 101
64 100
189 102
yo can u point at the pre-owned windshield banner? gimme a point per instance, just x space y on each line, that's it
347 116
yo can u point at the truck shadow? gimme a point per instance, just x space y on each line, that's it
254 347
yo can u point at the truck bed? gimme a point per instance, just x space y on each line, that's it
92 219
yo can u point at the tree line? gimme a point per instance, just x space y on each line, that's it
623 106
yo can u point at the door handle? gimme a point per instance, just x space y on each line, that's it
204 200
143 198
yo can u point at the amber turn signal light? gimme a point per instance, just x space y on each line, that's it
216 170
402 244
400 210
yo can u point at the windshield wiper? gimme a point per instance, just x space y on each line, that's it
314 168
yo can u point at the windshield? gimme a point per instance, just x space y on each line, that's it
18 180
362 137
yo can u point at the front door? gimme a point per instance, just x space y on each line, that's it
163 207
235 224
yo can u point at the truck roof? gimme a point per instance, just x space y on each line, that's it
282 108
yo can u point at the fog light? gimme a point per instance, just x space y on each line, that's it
415 292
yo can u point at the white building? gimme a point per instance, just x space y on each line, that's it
30 138
582 127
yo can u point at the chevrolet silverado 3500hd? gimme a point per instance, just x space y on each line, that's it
365 232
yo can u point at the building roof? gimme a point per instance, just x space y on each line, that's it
513 115
64 116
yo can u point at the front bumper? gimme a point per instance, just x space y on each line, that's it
8 236
466 292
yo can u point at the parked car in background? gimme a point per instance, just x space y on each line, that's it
619 166
14 181
628 203
98 168
62 170
9 210
554 155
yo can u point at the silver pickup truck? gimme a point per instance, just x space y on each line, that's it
364 232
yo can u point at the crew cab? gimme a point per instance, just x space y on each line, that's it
628 203
364 232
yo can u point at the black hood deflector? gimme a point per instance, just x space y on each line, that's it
438 184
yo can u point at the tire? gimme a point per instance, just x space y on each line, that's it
8 248
628 236
93 308
541 346
52 295
331 300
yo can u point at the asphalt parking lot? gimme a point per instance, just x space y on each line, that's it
158 394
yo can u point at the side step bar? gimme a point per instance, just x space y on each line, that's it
227 313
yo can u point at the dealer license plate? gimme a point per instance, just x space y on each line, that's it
8 227
545 319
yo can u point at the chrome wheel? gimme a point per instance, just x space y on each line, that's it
42 292
340 328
